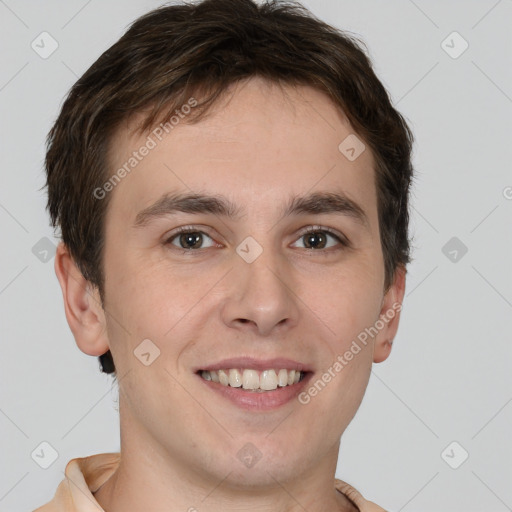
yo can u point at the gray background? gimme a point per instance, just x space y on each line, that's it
448 377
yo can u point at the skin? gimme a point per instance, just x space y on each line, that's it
179 440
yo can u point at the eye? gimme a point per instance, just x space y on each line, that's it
317 238
188 239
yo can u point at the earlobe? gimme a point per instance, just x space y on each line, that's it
82 305
389 316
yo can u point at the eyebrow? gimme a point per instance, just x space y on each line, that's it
315 203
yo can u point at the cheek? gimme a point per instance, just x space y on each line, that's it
348 298
149 299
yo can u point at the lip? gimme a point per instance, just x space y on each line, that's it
256 364
254 401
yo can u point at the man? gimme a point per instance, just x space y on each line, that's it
231 183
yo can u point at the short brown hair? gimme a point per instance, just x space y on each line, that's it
175 52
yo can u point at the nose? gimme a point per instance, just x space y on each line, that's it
261 298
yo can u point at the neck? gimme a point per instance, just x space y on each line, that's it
150 476
117 495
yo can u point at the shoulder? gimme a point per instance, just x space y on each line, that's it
356 497
83 475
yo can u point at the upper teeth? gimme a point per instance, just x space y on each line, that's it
251 379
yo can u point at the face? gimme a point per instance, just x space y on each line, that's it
272 281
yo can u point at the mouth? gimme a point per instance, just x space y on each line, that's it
255 385
255 391
252 380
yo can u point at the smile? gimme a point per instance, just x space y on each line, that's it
253 380
255 391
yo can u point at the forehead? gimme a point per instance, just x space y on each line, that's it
259 144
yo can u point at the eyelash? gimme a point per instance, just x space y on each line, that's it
343 241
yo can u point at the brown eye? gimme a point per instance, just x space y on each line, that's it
315 239
188 239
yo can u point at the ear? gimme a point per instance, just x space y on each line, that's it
389 316
82 305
